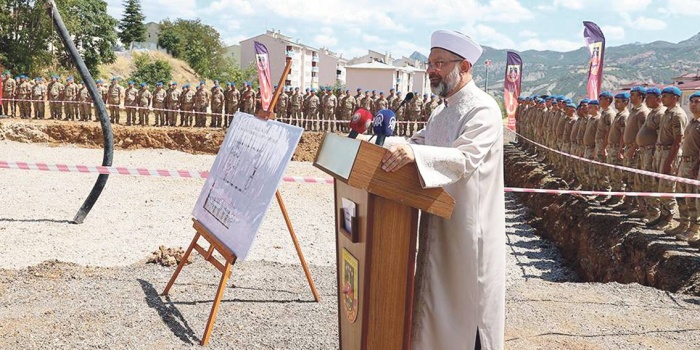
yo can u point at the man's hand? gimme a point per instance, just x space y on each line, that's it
397 156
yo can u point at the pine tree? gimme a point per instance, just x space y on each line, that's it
131 26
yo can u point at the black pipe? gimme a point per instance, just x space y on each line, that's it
101 110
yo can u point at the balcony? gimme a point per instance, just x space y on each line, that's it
314 58
314 69
290 54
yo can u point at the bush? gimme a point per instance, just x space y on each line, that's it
151 70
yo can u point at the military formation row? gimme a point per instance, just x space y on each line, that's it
642 129
314 112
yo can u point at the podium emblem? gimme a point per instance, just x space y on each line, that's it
349 286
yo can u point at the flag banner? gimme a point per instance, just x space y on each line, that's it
595 41
511 86
262 58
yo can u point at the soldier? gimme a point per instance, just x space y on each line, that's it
217 106
382 102
607 116
415 109
248 99
583 119
589 142
374 98
566 141
366 102
295 106
172 104
159 96
282 102
668 144
144 103
85 103
348 105
38 97
329 111
70 99
130 103
311 107
55 95
24 92
635 122
186 105
235 100
201 102
9 85
103 89
646 141
430 107
390 99
692 235
227 104
115 94
615 149
400 114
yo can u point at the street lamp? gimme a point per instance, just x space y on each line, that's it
487 63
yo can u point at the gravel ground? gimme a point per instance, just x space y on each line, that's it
65 286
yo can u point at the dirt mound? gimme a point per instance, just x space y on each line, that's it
89 134
123 66
168 256
600 244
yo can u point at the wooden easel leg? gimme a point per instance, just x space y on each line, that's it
181 264
215 307
297 246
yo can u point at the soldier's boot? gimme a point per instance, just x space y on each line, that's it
682 226
638 214
614 200
664 219
695 242
691 233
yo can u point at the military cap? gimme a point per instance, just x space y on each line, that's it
672 90
233 84
296 88
585 100
186 86
313 90
568 100
539 100
160 83
359 89
173 83
348 90
392 89
115 78
248 84
143 84
70 78
307 89
425 95
560 98
581 105
432 95
366 91
623 95
640 89
594 102
398 93
606 94
653 91
696 94
381 92
228 83
131 82
570 104
373 91
99 81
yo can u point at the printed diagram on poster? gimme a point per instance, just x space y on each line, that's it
244 178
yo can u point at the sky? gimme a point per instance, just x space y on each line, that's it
351 27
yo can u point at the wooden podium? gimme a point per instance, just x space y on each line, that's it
376 228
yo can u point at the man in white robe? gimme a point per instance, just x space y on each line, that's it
460 279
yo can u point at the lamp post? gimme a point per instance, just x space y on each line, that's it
487 63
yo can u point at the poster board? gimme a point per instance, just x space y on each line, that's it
244 178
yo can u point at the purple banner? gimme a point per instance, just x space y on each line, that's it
262 58
595 41
511 86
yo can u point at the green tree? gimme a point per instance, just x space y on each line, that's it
131 26
30 43
151 70
198 44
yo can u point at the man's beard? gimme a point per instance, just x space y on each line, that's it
446 84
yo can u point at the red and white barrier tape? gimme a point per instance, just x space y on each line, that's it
603 193
152 109
623 168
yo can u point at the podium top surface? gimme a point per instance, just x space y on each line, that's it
359 164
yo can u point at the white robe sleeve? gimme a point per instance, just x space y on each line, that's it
440 166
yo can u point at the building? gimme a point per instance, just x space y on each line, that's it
311 67
689 84
152 32
377 71
234 51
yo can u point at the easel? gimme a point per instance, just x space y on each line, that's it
227 254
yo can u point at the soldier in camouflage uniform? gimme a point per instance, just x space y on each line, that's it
296 104
85 103
115 94
187 98
8 90
329 109
201 103
130 103
55 95
635 121
144 102
400 114
348 105
615 148
604 124
172 104
366 102
24 92
646 141
159 97
234 99
248 99
282 103
589 142
311 108
39 96
430 107
217 105
414 111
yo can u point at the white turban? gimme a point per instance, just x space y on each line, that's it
457 43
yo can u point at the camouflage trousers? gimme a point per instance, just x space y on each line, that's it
589 170
665 186
615 175
647 183
687 207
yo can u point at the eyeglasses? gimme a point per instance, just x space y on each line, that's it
437 65
695 100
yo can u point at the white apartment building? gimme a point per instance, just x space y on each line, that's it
377 71
311 67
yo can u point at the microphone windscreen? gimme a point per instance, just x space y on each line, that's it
384 123
409 97
360 121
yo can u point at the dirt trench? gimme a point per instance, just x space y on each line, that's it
602 245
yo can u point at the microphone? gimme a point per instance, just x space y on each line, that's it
384 125
359 122
407 99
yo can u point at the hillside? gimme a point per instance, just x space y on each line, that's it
123 66
566 72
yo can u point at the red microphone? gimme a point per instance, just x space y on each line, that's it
359 122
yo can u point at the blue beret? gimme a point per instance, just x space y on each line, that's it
307 89
373 91
560 98
672 90
186 86
228 83
173 83
115 78
585 100
623 95
392 89
348 90
160 83
607 94
696 94
69 79
568 100
131 82
99 81
381 92
653 91
539 100
594 102
366 91
398 93
425 95
359 89
143 84
640 89
313 90
571 105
